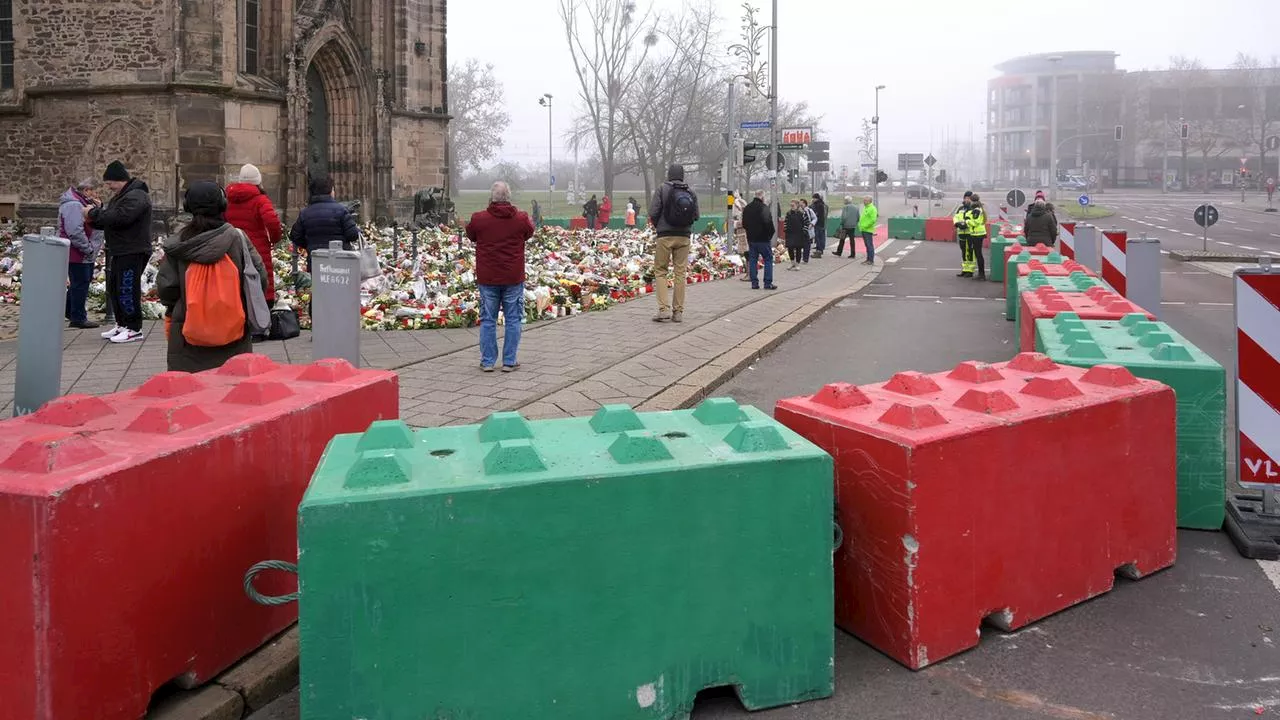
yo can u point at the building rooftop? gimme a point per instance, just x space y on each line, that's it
1076 60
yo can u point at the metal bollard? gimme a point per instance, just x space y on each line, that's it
335 304
415 244
44 300
395 243
1087 247
1142 273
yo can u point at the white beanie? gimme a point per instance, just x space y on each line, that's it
251 174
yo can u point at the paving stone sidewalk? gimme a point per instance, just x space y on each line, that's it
568 367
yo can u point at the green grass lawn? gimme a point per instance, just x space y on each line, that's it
1090 212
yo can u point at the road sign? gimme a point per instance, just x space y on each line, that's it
1206 216
778 162
1273 142
1084 201
819 167
868 166
1016 198
931 161
1093 179
790 146
756 125
910 161
797 136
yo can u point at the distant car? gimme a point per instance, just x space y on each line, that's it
983 185
919 191
1072 183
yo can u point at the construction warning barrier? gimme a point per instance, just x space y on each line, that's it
939 229
998 257
1021 265
906 228
1254 521
949 516
128 521
584 568
1067 239
1154 351
1046 303
1075 280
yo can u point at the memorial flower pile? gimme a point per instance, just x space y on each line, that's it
428 276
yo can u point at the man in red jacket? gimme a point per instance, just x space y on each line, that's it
499 233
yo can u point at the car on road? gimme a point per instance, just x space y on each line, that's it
920 191
1072 182
983 186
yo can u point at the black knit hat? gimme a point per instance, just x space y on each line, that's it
116 171
205 198
968 193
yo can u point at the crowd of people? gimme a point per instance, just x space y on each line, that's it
1040 226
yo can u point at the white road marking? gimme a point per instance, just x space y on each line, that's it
924 297
1164 252
1275 235
1189 234
913 268
1233 222
870 295
958 297
1217 304
1161 227
893 259
1271 568
904 252
1246 247
1273 252
1225 243
1166 302
1196 272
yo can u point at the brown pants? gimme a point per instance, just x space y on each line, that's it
670 251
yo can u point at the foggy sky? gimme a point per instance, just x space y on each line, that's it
934 58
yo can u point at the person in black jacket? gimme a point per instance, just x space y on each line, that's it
797 228
758 222
322 221
126 222
819 230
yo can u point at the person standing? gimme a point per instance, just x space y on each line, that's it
591 211
867 226
1040 226
848 228
535 213
975 235
250 210
631 216
819 209
86 243
606 212
811 221
126 222
205 241
796 225
499 233
322 221
757 223
960 219
673 211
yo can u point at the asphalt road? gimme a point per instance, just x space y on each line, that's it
1192 642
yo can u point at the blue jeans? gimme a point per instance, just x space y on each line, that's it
79 275
869 242
755 251
510 298
820 237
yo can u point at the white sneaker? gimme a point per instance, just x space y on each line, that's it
112 332
126 336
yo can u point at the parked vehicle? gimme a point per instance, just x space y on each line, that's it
920 191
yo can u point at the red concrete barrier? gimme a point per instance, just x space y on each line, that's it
951 518
1062 269
1096 303
127 523
940 230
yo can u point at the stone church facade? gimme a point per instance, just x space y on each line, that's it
186 90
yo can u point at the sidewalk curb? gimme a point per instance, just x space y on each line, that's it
243 689
694 387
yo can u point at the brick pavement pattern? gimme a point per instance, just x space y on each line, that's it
570 366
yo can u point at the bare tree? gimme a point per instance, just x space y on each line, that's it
1186 74
1255 126
609 41
475 131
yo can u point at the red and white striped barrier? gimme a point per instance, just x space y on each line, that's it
1258 377
1067 239
1114 261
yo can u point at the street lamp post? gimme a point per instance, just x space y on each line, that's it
1053 129
545 101
875 173
773 113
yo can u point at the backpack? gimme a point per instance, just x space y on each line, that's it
215 309
681 208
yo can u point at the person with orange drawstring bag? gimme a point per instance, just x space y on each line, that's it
211 283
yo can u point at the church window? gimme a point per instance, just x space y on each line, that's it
6 44
252 34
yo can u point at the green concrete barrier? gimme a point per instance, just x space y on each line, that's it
1153 350
570 569
998 246
1076 282
906 228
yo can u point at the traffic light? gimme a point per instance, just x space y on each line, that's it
1185 131
942 177
745 154
1119 133
881 176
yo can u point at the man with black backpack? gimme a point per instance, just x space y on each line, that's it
673 212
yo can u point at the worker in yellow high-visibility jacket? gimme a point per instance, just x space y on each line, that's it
972 235
959 218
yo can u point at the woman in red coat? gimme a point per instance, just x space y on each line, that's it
250 210
606 209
